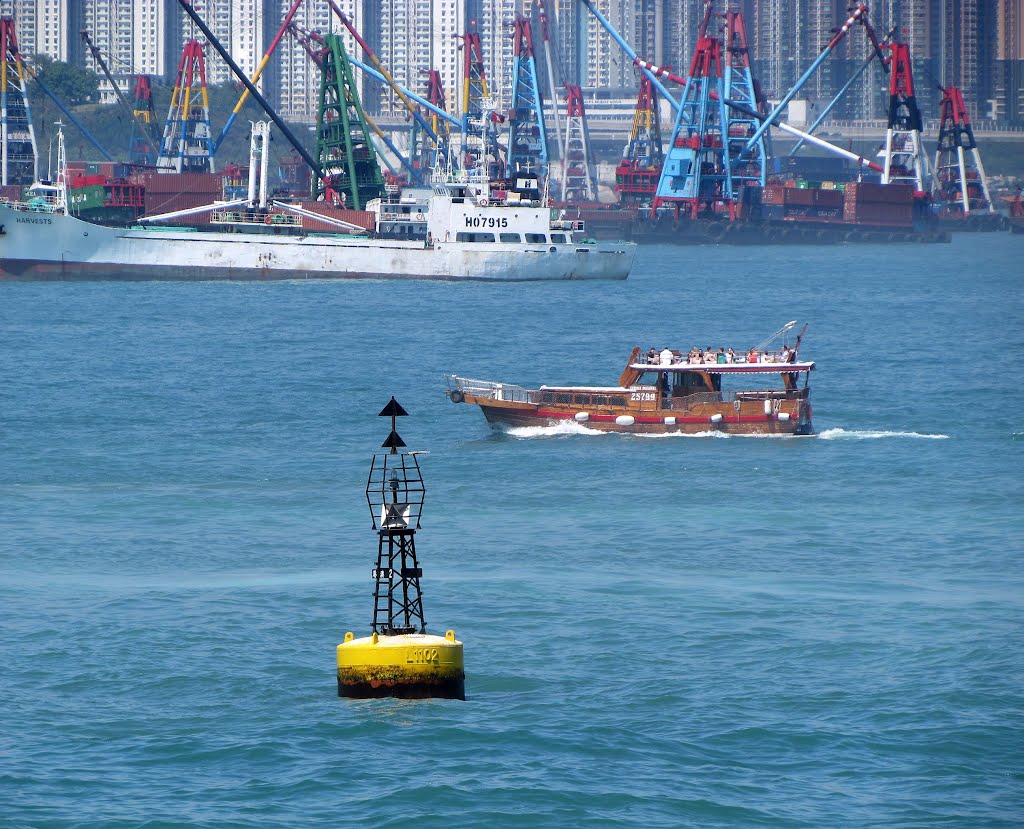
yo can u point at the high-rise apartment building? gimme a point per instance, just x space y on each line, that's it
44 27
412 37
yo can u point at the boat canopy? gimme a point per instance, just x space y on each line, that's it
725 368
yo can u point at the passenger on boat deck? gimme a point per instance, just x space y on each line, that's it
785 354
720 357
652 356
730 356
709 356
666 356
693 357
752 356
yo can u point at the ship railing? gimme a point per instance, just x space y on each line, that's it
417 215
489 389
39 204
239 217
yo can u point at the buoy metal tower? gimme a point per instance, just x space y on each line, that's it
750 167
904 155
579 180
696 174
399 658
18 150
482 153
141 149
527 135
186 146
959 185
351 173
636 176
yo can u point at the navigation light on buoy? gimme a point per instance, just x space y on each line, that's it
399 658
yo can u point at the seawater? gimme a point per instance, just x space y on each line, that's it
659 632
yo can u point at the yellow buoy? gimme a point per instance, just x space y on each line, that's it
399 658
409 665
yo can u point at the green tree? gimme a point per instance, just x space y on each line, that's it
73 86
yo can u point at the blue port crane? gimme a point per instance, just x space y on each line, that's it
527 136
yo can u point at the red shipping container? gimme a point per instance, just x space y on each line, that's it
799 195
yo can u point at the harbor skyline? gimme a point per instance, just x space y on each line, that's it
976 46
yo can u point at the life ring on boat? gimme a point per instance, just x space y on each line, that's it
419 217
456 396
716 230
268 220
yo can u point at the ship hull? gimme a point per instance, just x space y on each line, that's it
650 423
40 246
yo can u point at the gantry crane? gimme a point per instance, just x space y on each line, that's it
482 153
904 155
636 176
579 179
187 145
18 151
346 155
527 135
959 185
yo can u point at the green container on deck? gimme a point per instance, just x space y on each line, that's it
86 198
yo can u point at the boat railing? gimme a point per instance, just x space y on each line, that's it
39 204
760 357
490 389
418 215
241 217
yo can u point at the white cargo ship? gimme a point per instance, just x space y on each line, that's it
472 233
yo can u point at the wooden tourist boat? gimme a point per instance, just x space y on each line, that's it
664 392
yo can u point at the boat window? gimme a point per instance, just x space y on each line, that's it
563 398
511 237
692 382
558 238
536 238
474 237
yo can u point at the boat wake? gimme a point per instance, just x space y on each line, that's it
845 434
568 427
572 428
